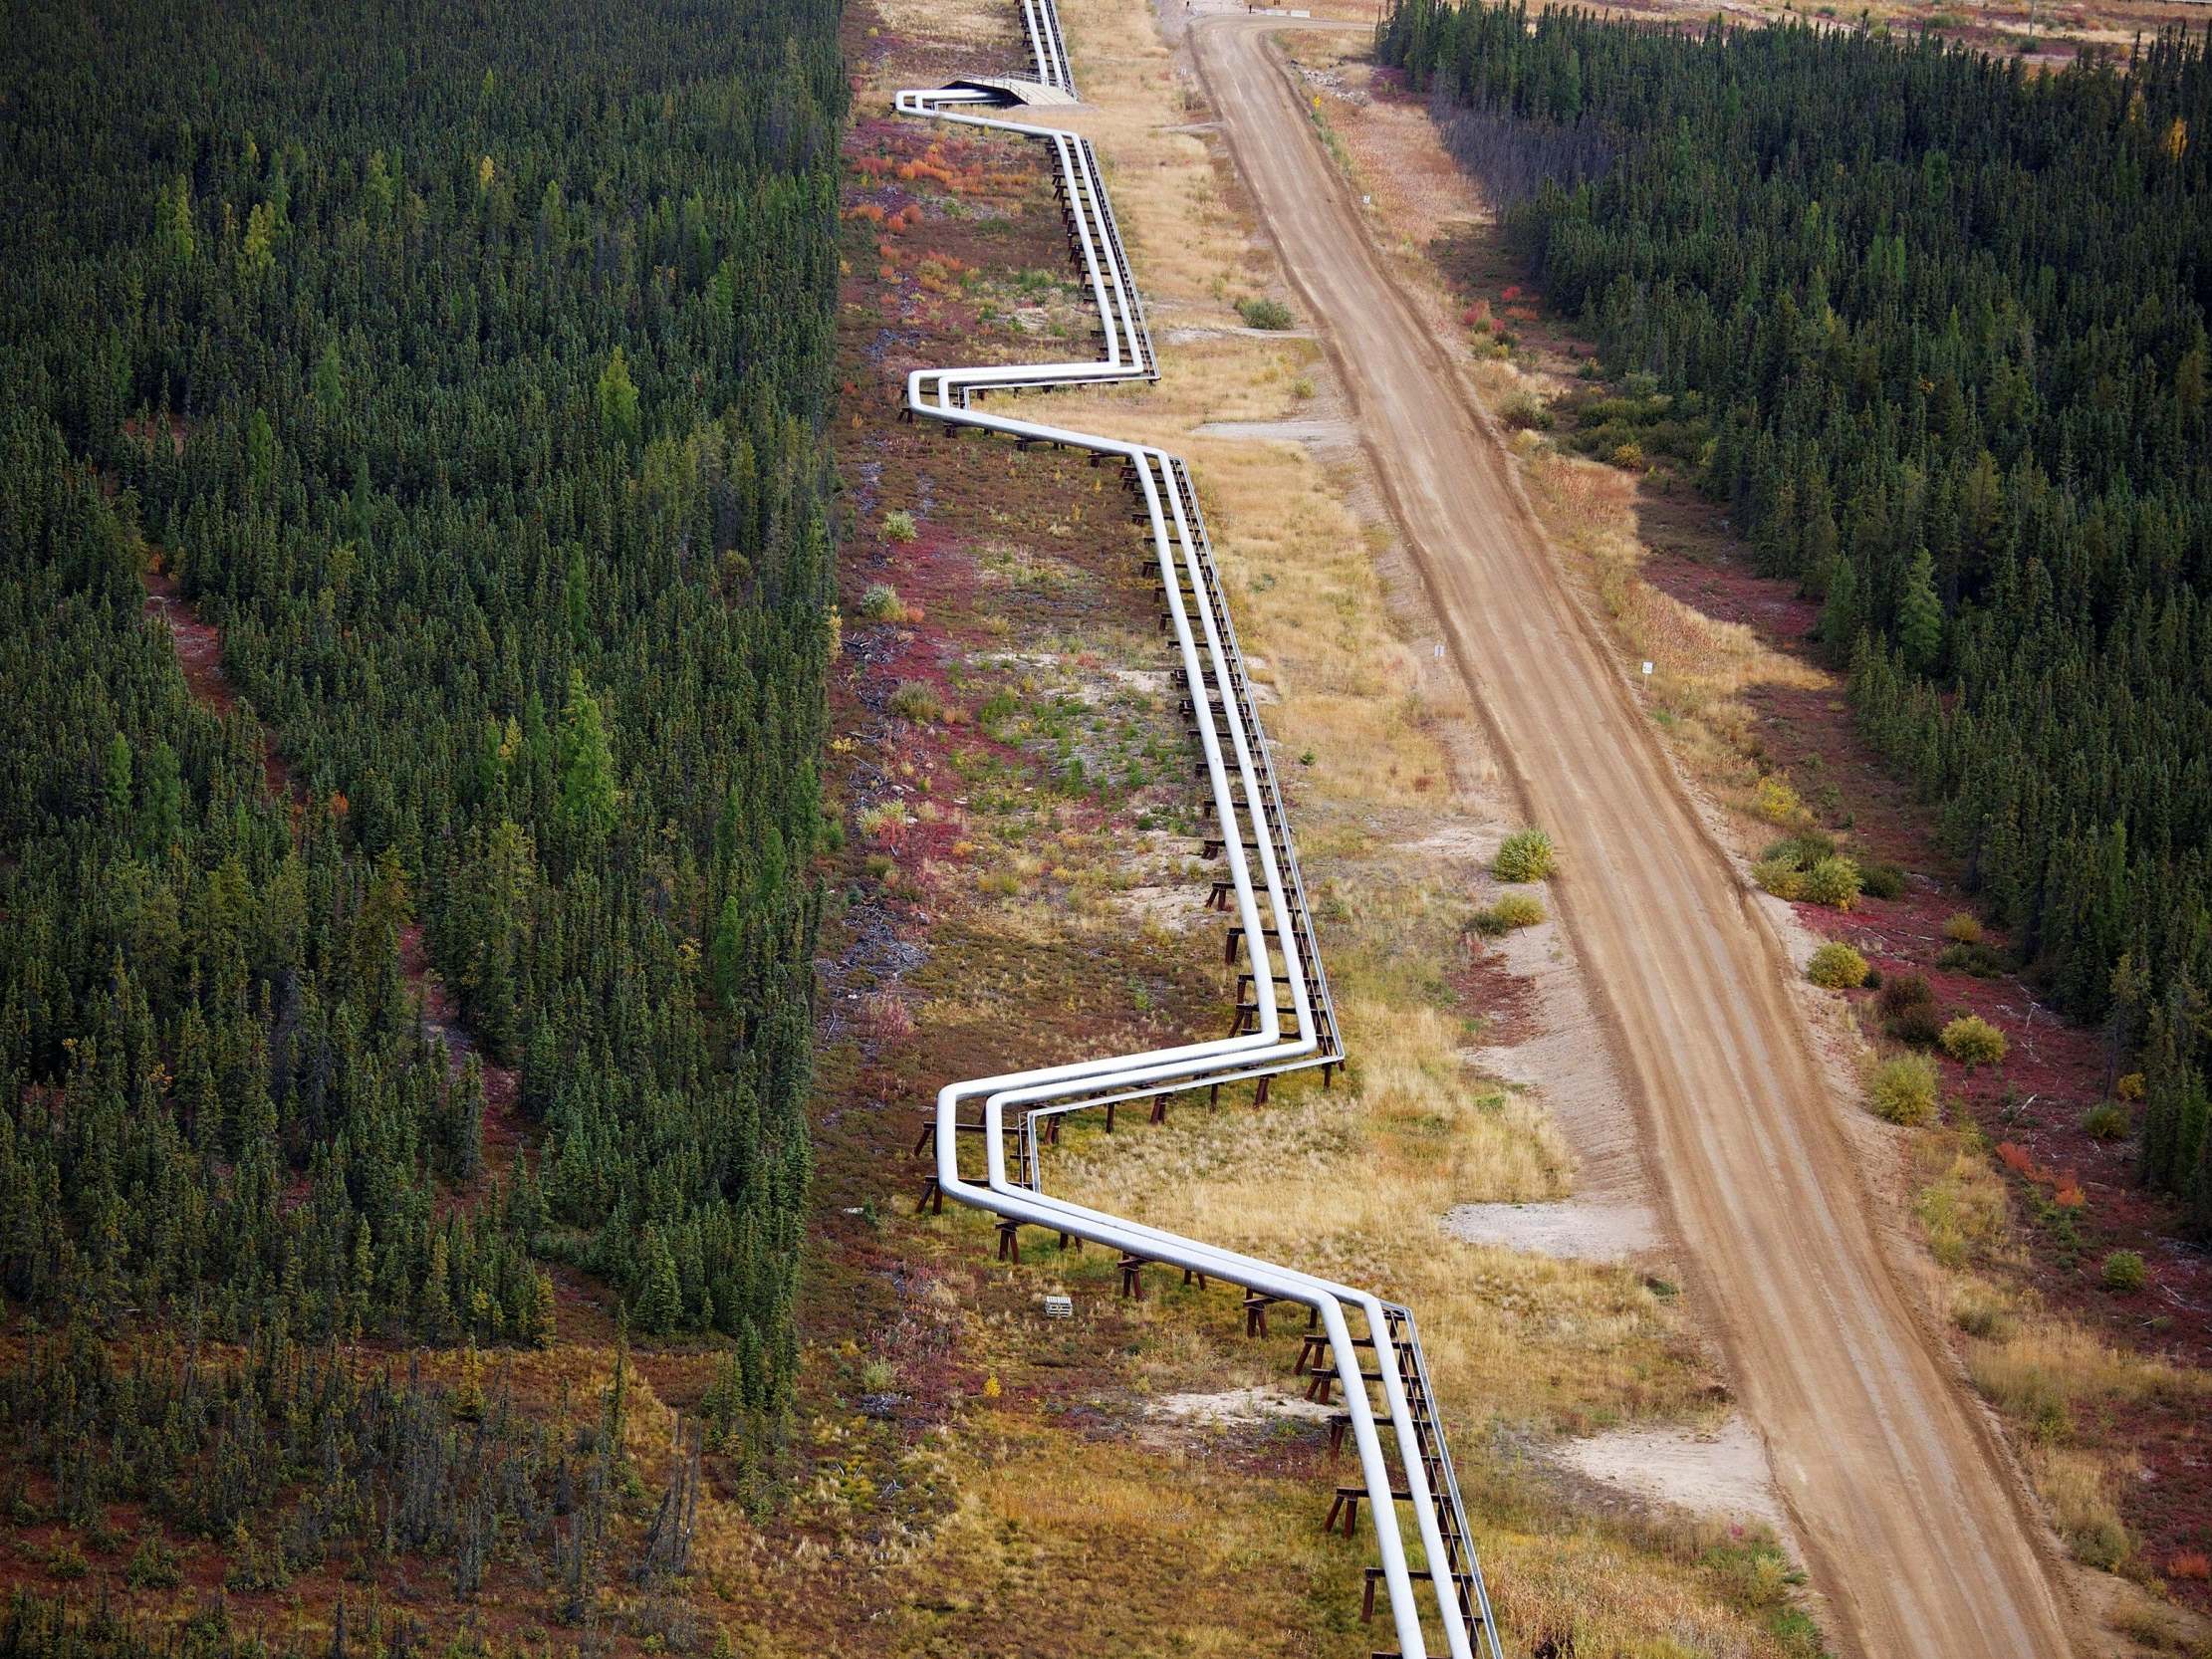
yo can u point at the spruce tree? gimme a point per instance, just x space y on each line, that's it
589 800
1920 614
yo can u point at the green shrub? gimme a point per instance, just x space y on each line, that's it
2102 1541
881 604
1809 868
1776 800
1972 1041
1904 991
1511 912
1781 877
918 702
1524 412
1525 856
1963 927
1917 1023
1833 882
2124 1272
1883 880
1979 960
898 525
1836 967
1903 1091
2108 1121
1803 850
153 1567
1261 313
1519 909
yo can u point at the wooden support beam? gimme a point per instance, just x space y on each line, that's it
1133 1276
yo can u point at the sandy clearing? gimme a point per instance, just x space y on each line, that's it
1894 1482
1237 1405
1721 1472
1324 433
1569 1229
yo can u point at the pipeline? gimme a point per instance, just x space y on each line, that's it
1275 921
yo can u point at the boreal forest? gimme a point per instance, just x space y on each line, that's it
416 521
1946 321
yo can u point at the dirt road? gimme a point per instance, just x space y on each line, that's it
1912 1531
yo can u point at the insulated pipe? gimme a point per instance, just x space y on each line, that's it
1167 1246
1256 1054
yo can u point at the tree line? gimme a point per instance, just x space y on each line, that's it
470 379
1949 318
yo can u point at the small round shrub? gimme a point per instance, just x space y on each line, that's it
1963 926
881 604
2124 1272
898 525
1836 967
1525 856
1959 957
1804 851
1917 1023
2107 1121
1258 313
2100 1541
1833 881
1973 1041
1902 991
1781 877
1519 909
916 701
1776 802
1903 1091
1524 412
1883 880
2130 1087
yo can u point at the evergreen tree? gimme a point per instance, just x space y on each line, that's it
116 780
1920 616
589 803
619 400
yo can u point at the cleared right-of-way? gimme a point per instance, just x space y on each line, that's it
1913 1529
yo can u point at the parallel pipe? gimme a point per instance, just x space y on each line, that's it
944 395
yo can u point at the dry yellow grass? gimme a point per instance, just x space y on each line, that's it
2078 1488
2040 1371
1134 1550
2042 1368
1581 1592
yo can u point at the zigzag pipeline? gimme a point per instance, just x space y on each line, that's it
1274 922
